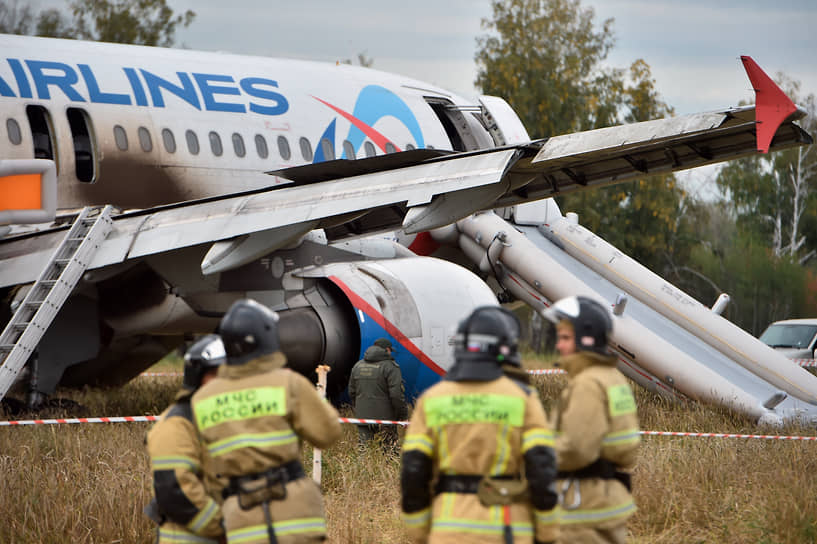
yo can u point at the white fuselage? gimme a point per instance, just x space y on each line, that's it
143 126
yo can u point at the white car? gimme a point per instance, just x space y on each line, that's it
795 338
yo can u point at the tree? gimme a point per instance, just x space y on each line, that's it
774 196
15 19
139 22
544 57
362 60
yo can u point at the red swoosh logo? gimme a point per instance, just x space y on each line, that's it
375 136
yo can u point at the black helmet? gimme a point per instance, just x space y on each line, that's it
485 340
249 330
591 322
206 353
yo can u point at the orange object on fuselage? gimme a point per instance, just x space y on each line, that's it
21 192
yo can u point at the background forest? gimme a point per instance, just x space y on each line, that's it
756 240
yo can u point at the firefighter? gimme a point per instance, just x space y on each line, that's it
597 435
478 463
184 506
251 417
377 391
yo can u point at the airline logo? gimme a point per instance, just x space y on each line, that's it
373 103
203 91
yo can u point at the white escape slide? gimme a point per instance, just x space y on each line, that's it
667 341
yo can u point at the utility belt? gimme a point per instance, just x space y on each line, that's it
601 468
492 491
462 483
261 487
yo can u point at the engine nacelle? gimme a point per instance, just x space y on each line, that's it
415 302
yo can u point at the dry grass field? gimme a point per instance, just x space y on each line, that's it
88 483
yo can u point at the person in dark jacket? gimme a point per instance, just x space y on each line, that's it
377 392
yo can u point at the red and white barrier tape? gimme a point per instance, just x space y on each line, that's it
133 419
729 435
536 371
372 421
124 419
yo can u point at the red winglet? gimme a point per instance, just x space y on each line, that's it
772 106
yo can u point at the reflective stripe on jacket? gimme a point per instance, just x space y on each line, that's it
477 428
251 418
595 419
185 489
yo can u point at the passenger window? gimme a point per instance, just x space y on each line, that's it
390 148
169 140
144 139
120 137
348 150
192 142
81 134
215 144
13 128
261 146
40 122
283 148
306 149
368 147
238 145
328 149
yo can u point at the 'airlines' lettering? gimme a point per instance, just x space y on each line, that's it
141 87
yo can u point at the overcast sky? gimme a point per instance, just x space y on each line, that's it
693 47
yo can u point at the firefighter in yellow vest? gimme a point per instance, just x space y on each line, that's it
185 491
597 435
252 417
478 463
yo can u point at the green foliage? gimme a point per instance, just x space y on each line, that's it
139 22
774 196
763 288
543 57
15 19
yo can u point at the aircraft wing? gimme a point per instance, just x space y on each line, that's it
416 191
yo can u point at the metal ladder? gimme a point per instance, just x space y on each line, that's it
27 326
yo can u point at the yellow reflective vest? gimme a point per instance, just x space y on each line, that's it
596 423
477 428
251 418
184 484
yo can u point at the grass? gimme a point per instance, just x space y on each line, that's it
88 483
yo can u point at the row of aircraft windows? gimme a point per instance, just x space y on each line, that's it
217 148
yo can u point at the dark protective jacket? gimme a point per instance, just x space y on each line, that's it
376 387
596 425
251 418
183 482
473 429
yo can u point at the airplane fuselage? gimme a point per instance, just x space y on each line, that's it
141 126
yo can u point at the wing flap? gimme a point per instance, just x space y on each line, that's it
149 232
